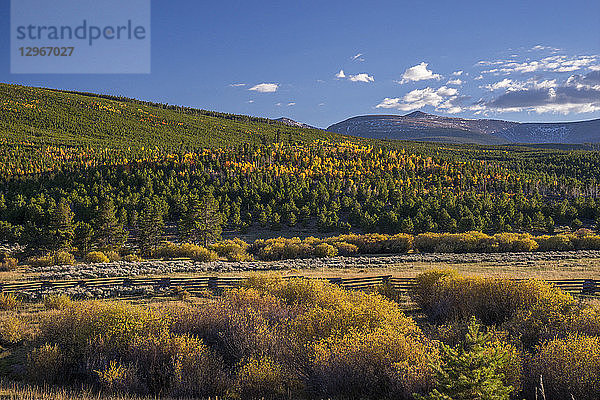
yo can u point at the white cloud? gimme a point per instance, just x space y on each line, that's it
250 101
237 84
478 78
458 73
594 67
361 78
291 104
418 73
546 84
555 63
580 94
341 74
278 104
321 104
441 98
265 87
358 57
454 82
506 83
544 48
446 91
512 85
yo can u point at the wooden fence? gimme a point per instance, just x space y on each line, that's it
578 287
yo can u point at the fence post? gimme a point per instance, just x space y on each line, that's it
589 287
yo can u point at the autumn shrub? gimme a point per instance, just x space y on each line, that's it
7 263
116 377
345 248
447 296
8 301
131 348
96 257
79 326
232 250
54 258
12 329
46 364
513 242
586 242
325 250
63 258
186 250
583 319
57 301
355 338
243 323
282 248
131 258
374 243
263 378
383 362
425 288
176 364
569 367
112 255
554 243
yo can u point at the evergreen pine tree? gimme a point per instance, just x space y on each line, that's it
109 233
150 227
202 222
83 237
470 372
61 229
407 225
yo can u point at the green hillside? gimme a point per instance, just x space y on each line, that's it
46 116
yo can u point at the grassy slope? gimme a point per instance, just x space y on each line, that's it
45 116
49 117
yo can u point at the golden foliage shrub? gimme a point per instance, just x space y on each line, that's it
570 367
8 301
13 330
131 348
554 318
474 242
586 242
131 258
185 250
50 259
57 301
325 250
80 325
447 296
373 363
373 243
47 364
116 377
7 263
178 364
96 257
345 248
232 250
263 377
355 338
554 243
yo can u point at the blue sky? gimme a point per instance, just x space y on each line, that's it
520 60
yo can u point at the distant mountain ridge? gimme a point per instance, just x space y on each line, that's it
428 127
291 122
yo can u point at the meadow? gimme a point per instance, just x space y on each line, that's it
304 338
